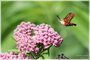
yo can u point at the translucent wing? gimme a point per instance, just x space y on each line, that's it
69 17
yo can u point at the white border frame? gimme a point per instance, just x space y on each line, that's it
49 0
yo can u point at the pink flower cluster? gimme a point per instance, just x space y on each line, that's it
7 56
23 37
46 35
14 56
28 35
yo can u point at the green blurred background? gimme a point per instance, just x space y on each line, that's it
76 39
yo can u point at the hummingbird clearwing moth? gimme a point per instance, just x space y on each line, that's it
67 20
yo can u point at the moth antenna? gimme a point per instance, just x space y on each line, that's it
58 17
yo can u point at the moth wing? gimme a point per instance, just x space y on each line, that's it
69 17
